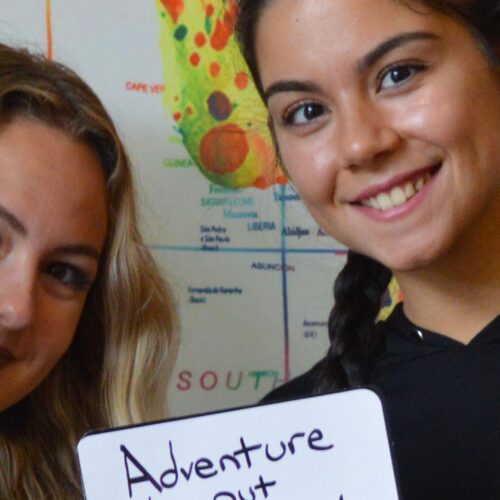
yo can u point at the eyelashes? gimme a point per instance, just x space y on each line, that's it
398 74
62 276
303 113
70 276
391 78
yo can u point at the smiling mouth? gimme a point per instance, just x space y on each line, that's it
400 194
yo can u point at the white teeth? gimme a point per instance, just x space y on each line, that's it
409 190
384 201
398 196
370 202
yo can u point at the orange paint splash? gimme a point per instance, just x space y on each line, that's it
48 23
265 157
200 40
194 59
241 80
214 69
210 10
224 149
264 182
225 28
174 7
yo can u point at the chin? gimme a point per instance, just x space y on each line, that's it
407 264
410 258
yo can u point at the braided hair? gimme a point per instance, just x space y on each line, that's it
354 336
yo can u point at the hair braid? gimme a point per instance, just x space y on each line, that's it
351 327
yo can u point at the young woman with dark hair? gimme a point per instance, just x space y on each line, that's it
386 115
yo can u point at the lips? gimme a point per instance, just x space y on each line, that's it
397 191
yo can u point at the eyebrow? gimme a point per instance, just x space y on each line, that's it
289 86
76 249
393 43
87 250
13 221
365 63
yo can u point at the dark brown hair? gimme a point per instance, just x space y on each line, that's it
354 336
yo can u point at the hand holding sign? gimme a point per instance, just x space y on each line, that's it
332 446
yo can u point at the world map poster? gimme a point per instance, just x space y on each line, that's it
251 272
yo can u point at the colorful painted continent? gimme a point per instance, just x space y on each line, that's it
391 298
217 110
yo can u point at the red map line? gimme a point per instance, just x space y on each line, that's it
48 22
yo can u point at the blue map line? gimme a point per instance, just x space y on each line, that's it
181 248
284 283
282 251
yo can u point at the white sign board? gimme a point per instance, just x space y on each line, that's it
326 447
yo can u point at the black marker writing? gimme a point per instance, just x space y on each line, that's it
205 468
146 476
262 486
245 450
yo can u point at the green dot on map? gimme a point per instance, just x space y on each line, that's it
180 33
208 25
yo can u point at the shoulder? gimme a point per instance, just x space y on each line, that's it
300 386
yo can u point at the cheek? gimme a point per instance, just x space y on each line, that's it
463 123
427 118
456 109
50 340
57 329
311 167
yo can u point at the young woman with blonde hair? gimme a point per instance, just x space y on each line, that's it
87 324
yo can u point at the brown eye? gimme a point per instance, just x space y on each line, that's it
398 75
69 275
304 114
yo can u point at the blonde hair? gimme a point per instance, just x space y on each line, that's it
117 367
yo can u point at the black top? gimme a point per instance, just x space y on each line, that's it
442 401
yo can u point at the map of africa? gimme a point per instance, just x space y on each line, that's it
251 271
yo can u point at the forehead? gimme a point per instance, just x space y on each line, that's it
340 16
51 182
313 31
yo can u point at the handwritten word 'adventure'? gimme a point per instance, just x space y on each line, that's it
242 458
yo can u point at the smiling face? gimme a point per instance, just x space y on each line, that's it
387 119
53 223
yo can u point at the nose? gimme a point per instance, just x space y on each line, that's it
17 298
366 134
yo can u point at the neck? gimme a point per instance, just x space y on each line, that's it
458 294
